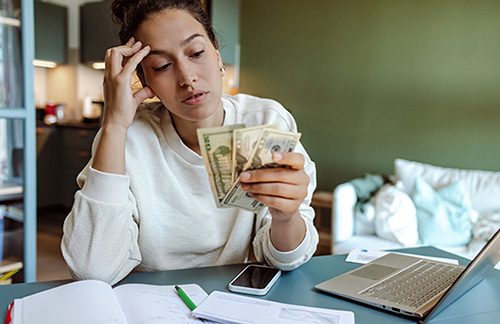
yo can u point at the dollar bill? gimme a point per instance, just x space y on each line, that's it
245 142
271 141
237 197
216 149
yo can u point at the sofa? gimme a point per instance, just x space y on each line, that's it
401 214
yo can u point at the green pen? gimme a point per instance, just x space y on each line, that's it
185 298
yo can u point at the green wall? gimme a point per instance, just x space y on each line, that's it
225 20
371 81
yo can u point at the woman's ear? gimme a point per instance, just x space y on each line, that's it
221 65
219 60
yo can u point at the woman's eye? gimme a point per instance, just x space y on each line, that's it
163 67
198 54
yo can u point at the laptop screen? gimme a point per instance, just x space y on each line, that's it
476 271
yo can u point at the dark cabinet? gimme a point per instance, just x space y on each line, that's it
76 150
49 166
63 151
98 32
51 39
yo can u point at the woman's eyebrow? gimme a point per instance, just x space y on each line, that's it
183 43
189 39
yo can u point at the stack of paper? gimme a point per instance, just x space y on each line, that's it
365 256
231 308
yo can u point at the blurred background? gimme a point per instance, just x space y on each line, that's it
367 82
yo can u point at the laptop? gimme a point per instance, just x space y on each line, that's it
412 286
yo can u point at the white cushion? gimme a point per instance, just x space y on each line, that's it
395 216
482 186
364 221
486 226
344 200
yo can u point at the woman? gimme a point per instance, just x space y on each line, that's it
145 201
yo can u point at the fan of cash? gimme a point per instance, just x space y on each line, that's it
229 150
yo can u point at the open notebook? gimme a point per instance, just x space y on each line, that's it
92 301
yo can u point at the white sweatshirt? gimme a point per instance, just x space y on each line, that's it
161 215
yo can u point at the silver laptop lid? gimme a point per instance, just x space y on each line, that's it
473 274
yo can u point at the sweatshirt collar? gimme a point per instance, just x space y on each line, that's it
174 141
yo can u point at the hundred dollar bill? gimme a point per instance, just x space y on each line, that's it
216 150
245 142
271 141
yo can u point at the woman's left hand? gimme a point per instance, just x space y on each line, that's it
282 189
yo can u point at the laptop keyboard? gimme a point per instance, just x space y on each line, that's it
415 285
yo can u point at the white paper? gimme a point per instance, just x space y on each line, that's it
143 303
80 302
365 256
232 308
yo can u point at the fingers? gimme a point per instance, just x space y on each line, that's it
292 172
143 94
284 175
130 42
277 189
283 197
282 188
287 206
283 205
132 62
290 159
115 56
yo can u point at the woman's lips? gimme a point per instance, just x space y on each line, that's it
195 99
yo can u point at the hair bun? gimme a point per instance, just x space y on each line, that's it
120 9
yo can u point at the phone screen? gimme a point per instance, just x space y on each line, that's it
255 277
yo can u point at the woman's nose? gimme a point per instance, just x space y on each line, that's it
187 77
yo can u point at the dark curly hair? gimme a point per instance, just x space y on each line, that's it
129 14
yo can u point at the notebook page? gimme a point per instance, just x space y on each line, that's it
233 308
81 302
143 303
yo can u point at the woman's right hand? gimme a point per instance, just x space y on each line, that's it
121 103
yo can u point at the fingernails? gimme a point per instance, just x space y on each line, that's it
245 175
277 156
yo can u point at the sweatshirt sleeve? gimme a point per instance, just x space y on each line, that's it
100 233
263 248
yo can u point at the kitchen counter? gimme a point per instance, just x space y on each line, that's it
70 123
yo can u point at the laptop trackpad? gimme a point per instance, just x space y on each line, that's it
374 271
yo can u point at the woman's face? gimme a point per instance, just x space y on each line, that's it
183 67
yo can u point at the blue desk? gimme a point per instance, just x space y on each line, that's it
480 305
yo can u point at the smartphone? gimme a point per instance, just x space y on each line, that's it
255 280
